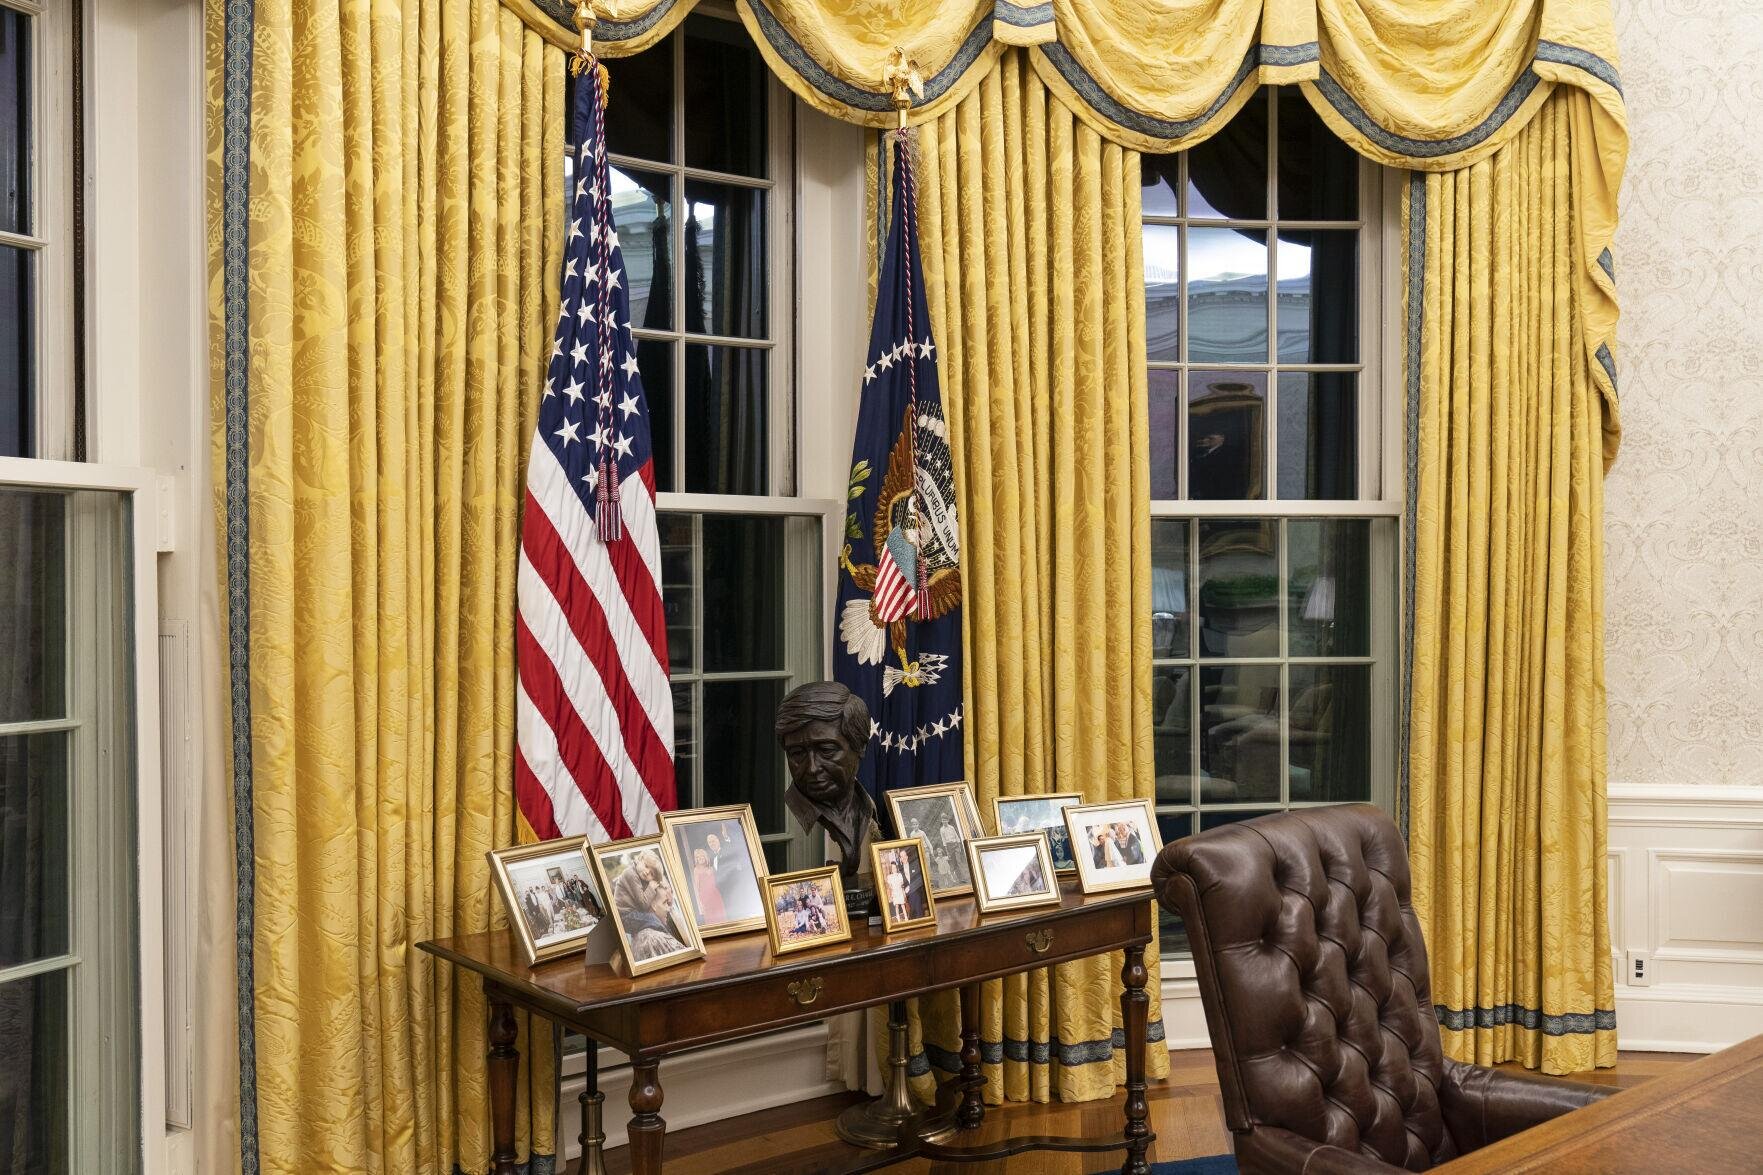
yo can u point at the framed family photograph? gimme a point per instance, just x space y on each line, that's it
1015 815
805 909
1114 843
553 900
902 884
943 815
718 854
642 888
1011 872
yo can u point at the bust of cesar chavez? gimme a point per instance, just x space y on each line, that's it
824 729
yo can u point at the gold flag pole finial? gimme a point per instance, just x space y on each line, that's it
904 80
585 20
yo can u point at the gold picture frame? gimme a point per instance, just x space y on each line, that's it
998 864
725 887
821 881
1060 800
1081 822
627 872
541 888
922 807
880 852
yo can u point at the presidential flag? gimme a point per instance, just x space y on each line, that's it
898 644
593 710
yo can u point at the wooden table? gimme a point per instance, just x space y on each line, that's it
1706 1116
739 989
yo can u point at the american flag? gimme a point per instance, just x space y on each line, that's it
593 712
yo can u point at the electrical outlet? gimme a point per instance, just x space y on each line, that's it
1640 969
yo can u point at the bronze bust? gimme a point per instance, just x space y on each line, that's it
824 729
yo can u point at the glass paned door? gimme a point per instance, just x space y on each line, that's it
69 1083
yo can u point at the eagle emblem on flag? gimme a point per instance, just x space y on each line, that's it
898 614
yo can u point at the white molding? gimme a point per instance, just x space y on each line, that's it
723 1081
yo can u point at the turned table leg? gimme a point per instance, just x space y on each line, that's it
504 1065
973 1094
646 1128
1135 1008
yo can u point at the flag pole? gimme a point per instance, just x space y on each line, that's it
585 20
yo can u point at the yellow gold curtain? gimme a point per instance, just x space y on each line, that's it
383 277
1508 421
1029 226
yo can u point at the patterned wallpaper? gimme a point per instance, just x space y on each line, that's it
1684 505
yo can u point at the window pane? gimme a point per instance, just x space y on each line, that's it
1329 601
1331 732
1172 732
1318 435
17 363
743 764
1227 295
777 856
639 104
1239 587
725 260
678 594
1227 174
33 847
1165 397
685 745
1220 819
1227 434
1319 297
655 367
34 1015
33 606
15 121
1239 733
1318 174
727 419
642 211
725 99
1162 292
1160 179
744 593
1169 588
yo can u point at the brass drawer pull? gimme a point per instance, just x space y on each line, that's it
1039 941
805 991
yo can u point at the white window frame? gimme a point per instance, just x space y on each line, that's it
1380 470
52 223
89 1058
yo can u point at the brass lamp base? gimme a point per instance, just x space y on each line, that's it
876 1123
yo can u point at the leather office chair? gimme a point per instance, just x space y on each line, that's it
1314 978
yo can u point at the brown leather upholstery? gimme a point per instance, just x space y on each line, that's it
1314 978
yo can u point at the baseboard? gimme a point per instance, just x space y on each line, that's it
723 1081
1184 1019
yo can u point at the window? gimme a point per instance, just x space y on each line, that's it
701 147
1274 533
36 254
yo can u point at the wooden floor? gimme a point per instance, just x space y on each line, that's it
1185 1113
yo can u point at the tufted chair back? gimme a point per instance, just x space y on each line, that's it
1313 973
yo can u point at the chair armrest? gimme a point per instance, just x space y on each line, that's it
1269 1150
1481 1106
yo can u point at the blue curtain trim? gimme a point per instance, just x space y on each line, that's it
1291 54
607 29
1565 1024
1092 93
1022 16
239 28
1558 54
1607 263
1034 1052
1414 148
1416 329
855 97
1608 362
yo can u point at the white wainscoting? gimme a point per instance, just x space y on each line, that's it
1686 890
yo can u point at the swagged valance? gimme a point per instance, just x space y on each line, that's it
1429 85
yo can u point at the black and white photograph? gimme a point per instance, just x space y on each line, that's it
1011 872
1016 815
1114 843
655 928
944 817
552 898
720 857
902 884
